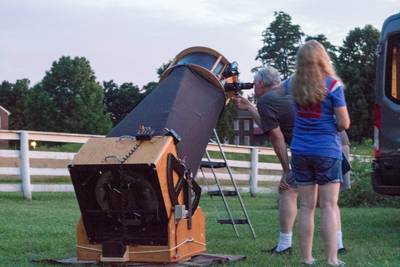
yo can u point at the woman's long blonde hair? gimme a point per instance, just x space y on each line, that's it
312 66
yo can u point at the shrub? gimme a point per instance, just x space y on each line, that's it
361 193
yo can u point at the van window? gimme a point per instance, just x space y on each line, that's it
393 68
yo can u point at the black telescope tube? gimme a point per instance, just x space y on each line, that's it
185 102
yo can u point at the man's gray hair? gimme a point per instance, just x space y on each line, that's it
268 75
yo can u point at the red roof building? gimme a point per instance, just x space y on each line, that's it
247 132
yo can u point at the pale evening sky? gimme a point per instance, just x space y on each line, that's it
127 40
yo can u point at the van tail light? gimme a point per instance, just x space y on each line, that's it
377 130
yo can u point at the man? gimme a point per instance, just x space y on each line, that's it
275 116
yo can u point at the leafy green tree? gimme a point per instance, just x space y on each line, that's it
151 86
120 100
330 48
73 96
40 109
163 68
281 41
13 98
148 88
225 123
356 66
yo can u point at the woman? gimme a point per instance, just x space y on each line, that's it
320 112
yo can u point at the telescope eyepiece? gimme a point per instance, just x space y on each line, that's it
235 87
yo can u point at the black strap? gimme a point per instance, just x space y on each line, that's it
174 165
185 182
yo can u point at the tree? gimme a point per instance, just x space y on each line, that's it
330 48
148 88
71 93
163 68
13 98
40 109
225 123
151 86
120 100
356 66
281 40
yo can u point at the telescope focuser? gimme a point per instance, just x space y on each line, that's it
231 70
231 80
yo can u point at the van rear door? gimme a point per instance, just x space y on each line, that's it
386 166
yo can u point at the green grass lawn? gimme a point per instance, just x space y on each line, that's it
36 180
45 228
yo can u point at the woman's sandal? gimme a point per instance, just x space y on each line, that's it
311 263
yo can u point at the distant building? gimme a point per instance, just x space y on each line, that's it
247 132
4 114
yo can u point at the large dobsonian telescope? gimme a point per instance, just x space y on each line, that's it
135 187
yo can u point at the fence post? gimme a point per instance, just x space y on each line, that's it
254 171
24 165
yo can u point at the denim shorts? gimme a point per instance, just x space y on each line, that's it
309 170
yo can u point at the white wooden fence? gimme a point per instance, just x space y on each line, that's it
23 169
24 155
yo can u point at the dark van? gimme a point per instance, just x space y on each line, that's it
386 165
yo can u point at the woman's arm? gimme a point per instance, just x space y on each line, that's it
342 118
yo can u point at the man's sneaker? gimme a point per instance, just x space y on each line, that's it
341 251
273 251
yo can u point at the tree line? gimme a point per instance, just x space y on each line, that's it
69 99
354 62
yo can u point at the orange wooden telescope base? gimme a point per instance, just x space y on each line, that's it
137 196
135 234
